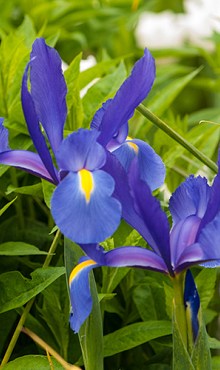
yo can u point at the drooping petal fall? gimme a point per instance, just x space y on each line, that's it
80 296
86 216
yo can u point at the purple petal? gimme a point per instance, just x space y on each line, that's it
190 198
98 116
48 91
213 206
191 256
182 235
27 161
34 128
210 239
125 256
81 220
152 169
155 220
3 137
192 303
80 296
135 257
82 151
131 93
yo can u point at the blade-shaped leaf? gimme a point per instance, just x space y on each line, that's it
19 249
17 290
134 335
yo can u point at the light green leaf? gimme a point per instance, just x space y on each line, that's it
215 363
6 206
19 249
31 362
213 343
101 91
97 71
102 296
27 32
205 282
134 335
52 40
15 295
48 189
35 190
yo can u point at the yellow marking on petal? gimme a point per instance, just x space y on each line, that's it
79 267
134 146
86 182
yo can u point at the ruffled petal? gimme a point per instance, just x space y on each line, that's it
213 207
85 219
82 151
182 236
34 128
27 161
210 239
190 198
152 169
131 93
192 305
48 91
80 296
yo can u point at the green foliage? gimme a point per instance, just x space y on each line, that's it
135 308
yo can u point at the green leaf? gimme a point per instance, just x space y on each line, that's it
27 32
48 189
55 309
19 249
101 91
215 363
205 283
97 71
134 335
35 190
15 295
33 363
201 356
52 40
74 102
6 206
213 343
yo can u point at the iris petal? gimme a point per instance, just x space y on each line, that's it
190 198
3 137
152 169
192 304
131 93
48 91
34 128
81 300
82 151
27 161
82 221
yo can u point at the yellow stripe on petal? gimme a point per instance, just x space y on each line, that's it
79 267
86 183
134 146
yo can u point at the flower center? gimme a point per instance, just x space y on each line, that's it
86 182
134 146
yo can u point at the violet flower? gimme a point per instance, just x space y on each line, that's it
194 237
83 204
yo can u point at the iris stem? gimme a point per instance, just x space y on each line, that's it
29 304
174 135
18 203
179 306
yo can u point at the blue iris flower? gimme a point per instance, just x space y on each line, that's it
193 239
83 204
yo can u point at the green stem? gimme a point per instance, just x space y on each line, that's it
18 203
29 304
179 307
174 135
